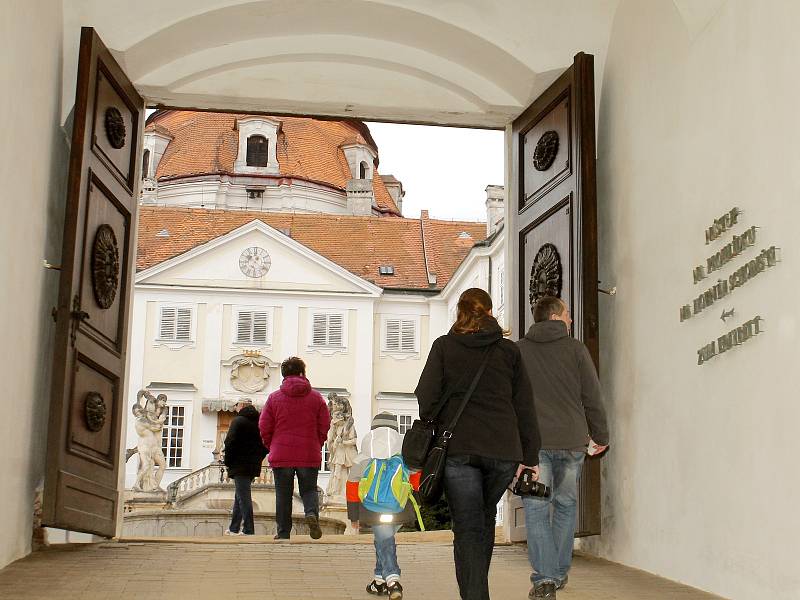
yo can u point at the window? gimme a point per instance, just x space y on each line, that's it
404 423
325 467
252 327
257 151
172 437
255 193
400 335
327 329
386 270
363 170
175 324
146 164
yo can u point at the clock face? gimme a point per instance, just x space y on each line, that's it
255 262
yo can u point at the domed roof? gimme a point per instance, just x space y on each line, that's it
205 143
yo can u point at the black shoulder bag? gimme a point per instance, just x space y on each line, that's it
432 480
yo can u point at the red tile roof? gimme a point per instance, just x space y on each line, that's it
208 142
359 244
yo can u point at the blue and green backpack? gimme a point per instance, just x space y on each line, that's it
385 488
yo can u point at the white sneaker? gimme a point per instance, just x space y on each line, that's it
229 532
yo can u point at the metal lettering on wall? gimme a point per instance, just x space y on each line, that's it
724 286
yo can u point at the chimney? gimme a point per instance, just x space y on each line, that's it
360 197
495 208
395 189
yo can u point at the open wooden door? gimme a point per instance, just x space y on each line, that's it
555 241
87 403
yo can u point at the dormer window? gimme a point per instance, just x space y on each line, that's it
258 143
257 151
361 160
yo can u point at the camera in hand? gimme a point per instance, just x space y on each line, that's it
526 486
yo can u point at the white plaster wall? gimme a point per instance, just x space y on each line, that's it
701 482
33 153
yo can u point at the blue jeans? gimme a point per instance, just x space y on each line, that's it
473 486
242 506
284 486
386 566
550 522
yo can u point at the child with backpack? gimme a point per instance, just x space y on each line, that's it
379 495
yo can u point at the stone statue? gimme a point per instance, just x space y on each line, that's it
151 413
342 449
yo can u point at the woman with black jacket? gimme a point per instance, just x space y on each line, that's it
496 436
244 454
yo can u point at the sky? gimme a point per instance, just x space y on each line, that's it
442 169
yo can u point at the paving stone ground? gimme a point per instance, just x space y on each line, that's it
259 569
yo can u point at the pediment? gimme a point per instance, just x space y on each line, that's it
256 257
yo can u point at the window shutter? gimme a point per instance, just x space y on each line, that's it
408 336
243 327
319 327
260 327
392 335
167 326
335 330
183 330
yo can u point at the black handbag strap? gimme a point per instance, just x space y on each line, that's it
448 433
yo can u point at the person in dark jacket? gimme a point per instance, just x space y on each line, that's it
495 438
244 454
294 425
571 417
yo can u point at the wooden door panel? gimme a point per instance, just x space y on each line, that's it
548 155
86 438
554 228
115 118
83 440
553 164
107 229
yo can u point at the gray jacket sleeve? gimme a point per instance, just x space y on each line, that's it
592 397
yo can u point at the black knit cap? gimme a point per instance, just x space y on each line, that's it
385 419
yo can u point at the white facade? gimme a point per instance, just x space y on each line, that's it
356 339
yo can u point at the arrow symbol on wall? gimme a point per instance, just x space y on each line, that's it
727 314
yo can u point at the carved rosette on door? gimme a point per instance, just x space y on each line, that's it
546 151
105 266
546 274
115 127
94 411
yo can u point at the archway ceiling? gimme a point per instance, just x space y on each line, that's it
468 62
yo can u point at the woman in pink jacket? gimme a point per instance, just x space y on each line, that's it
294 425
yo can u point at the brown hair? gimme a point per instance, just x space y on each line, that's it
473 312
293 366
545 307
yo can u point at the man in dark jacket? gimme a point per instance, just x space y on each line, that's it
244 454
570 411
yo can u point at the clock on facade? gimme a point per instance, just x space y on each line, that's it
255 262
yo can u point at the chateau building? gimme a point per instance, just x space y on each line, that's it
266 237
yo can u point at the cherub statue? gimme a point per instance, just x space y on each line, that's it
151 413
342 449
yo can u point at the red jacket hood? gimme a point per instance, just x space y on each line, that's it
295 385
